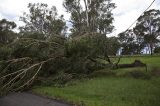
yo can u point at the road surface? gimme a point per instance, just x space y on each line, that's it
28 99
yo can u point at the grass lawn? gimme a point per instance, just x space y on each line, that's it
111 91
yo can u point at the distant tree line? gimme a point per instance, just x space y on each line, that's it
146 33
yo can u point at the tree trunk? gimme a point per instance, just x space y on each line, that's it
86 6
151 48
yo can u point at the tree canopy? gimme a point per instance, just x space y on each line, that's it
131 43
90 16
6 33
148 27
43 20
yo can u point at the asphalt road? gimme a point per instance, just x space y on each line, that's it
28 99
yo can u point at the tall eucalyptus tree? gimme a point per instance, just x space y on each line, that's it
148 27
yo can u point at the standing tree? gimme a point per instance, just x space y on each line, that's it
90 16
43 20
77 16
148 27
131 43
6 33
113 45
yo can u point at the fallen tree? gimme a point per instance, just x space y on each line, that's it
29 56
136 63
32 58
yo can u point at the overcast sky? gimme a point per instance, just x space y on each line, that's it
125 14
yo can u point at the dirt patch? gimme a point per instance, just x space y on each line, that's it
155 71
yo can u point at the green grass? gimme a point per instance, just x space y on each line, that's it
151 61
111 91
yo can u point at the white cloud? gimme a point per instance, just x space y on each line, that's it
13 9
0 16
125 14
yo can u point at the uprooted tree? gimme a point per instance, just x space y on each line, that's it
31 58
41 49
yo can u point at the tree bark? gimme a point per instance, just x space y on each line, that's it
151 48
86 6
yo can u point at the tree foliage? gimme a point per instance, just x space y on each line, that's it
130 42
40 45
42 19
6 33
90 16
148 27
113 45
